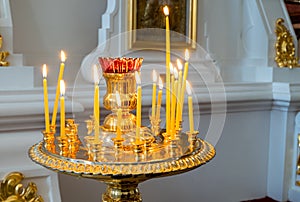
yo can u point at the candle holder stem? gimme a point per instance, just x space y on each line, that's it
122 191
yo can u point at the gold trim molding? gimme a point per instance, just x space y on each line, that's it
191 32
3 54
11 189
284 47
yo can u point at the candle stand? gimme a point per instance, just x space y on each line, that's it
121 162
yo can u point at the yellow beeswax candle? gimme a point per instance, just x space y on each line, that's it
179 105
159 98
60 77
168 82
46 105
62 108
119 116
174 102
154 75
190 104
185 73
139 106
96 103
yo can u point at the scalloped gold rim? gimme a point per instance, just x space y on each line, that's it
91 169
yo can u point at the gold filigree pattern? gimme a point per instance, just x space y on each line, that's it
285 48
11 189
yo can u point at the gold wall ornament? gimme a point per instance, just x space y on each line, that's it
11 189
284 47
3 54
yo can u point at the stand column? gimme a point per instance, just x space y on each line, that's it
122 191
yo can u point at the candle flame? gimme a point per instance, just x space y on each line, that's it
44 70
160 83
179 65
187 55
137 78
62 88
62 56
166 10
154 76
96 75
175 73
118 99
188 88
171 68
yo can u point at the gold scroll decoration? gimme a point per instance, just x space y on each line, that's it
11 189
284 47
3 54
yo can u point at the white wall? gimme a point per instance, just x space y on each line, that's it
42 28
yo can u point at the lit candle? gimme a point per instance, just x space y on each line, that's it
154 75
96 103
119 116
60 77
174 101
168 85
159 98
172 83
185 73
46 105
190 103
179 106
139 106
62 108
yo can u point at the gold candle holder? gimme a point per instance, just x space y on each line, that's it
49 141
192 137
119 74
118 142
94 148
63 145
155 125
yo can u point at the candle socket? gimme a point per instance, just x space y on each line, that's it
139 146
53 129
118 143
63 145
155 125
49 141
192 137
94 148
179 127
72 131
174 148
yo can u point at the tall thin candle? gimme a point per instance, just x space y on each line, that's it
96 103
174 102
139 106
168 84
62 108
159 98
60 77
154 75
190 104
179 106
46 105
185 74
